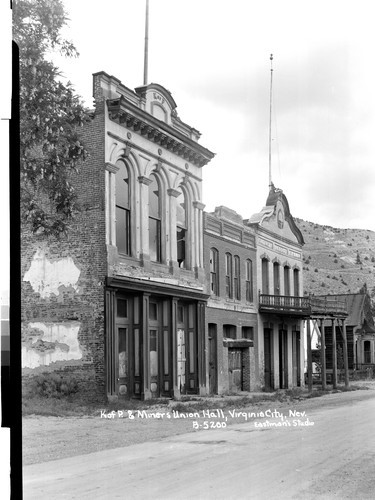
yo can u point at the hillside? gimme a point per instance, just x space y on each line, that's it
337 260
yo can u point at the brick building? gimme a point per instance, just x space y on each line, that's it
231 314
120 302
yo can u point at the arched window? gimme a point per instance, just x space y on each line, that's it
236 278
181 218
249 281
123 228
214 271
276 278
265 276
228 275
296 282
286 280
154 219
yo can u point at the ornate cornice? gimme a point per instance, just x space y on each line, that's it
120 111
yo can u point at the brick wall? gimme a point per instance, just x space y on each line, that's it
55 307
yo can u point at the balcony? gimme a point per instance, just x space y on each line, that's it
328 306
284 304
302 306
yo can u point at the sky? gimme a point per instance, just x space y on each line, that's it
214 57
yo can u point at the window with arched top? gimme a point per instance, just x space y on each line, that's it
228 275
265 276
181 227
276 278
249 280
296 282
286 280
214 271
237 278
123 211
154 219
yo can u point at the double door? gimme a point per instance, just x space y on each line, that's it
151 344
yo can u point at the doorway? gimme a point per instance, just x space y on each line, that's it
212 358
268 378
283 359
235 368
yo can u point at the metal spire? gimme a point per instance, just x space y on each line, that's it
270 131
145 67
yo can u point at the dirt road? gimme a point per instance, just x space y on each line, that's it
326 450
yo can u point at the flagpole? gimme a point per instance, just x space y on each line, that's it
145 67
270 131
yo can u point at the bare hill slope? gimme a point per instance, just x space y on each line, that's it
337 260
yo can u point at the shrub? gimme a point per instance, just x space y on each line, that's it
54 385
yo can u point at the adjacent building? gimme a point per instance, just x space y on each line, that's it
281 304
231 314
360 333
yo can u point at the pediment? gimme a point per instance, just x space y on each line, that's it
158 101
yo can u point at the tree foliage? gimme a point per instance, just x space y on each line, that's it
50 117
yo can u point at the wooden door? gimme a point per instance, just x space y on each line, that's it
212 356
235 367
268 379
283 359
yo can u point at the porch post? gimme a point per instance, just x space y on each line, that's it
323 355
309 357
346 364
334 355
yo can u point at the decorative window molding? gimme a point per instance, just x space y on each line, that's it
214 272
249 280
228 275
237 278
110 167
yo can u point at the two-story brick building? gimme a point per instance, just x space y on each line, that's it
231 314
121 301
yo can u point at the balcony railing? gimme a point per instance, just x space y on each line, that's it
284 304
328 305
303 306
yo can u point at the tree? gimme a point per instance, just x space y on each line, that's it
50 117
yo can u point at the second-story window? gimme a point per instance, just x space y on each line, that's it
154 220
265 276
181 230
228 276
236 278
214 276
249 281
286 280
296 282
276 278
122 209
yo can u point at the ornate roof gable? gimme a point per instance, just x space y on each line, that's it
276 216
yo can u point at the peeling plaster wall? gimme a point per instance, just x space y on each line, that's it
63 279
47 277
46 343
